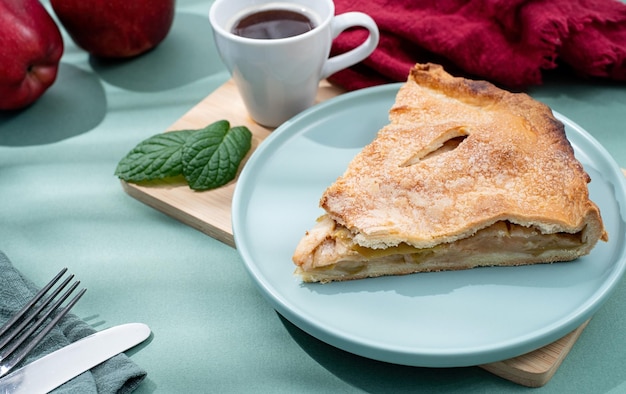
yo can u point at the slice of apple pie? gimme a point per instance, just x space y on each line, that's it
464 175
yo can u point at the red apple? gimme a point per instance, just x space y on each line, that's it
30 51
116 28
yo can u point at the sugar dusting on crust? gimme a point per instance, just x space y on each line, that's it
514 163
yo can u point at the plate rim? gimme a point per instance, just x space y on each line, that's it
397 355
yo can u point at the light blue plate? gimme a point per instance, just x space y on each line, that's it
443 319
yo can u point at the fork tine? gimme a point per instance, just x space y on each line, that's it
20 336
40 336
30 303
29 325
33 314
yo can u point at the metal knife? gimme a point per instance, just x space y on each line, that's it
51 371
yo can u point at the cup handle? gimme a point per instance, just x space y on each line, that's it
343 22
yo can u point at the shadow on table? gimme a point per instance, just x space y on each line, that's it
565 82
73 105
186 55
380 377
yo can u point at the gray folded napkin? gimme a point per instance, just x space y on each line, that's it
117 375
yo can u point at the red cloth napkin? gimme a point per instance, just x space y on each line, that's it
508 42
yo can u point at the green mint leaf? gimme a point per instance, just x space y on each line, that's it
157 157
211 156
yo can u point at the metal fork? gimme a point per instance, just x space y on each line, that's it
40 313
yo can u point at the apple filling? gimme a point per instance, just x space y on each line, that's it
337 256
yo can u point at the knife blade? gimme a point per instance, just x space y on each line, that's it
51 371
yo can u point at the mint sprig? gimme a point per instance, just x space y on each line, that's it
208 158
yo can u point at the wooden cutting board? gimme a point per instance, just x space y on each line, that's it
210 212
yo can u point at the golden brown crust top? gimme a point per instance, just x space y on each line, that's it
458 156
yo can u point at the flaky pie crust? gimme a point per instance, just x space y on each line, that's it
457 157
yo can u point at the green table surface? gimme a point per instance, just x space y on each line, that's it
60 205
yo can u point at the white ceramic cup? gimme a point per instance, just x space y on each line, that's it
278 78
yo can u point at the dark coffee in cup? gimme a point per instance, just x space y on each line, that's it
278 71
273 24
